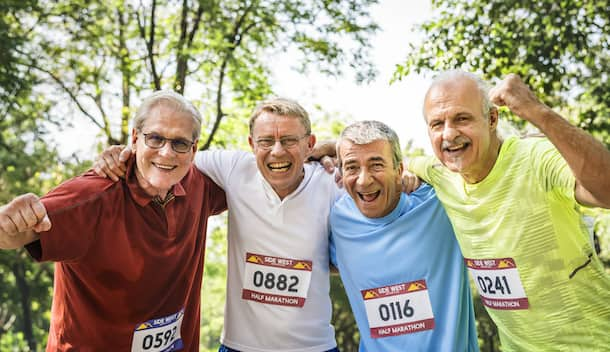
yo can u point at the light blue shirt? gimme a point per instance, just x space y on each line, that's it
411 251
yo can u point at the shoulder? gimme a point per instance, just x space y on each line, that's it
81 190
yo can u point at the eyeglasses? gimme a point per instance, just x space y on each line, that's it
155 141
286 142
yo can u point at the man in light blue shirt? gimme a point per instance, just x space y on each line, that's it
398 258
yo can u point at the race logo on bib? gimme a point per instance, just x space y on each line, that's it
274 280
498 283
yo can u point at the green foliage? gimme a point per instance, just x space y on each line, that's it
561 48
214 285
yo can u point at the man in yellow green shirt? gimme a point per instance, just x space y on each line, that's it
513 204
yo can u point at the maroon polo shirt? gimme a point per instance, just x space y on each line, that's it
123 261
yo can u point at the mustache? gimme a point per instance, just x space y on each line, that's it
457 141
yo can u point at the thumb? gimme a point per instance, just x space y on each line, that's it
125 154
43 225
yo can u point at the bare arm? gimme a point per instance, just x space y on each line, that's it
20 220
588 158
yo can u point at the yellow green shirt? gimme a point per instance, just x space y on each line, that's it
525 210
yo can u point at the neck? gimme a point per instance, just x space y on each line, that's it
148 188
479 175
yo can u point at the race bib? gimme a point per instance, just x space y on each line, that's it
398 309
498 283
159 335
274 280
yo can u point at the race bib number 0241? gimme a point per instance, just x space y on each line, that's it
498 283
274 280
159 335
398 309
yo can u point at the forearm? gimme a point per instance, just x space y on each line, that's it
588 158
18 240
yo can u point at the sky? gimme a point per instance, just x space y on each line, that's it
399 104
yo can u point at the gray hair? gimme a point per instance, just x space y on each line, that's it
365 132
282 107
452 75
171 100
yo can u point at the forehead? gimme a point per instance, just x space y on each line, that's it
268 123
166 119
460 95
376 150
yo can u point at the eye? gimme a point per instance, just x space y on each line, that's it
154 139
378 166
289 141
181 145
265 142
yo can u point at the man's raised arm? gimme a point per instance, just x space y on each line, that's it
588 158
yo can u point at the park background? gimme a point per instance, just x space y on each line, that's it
73 71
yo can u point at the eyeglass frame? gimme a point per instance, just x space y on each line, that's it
172 142
292 141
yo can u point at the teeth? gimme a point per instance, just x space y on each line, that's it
455 147
279 166
368 196
165 167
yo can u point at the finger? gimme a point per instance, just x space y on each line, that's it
99 171
125 154
110 164
7 225
328 163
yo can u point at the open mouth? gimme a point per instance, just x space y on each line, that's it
368 196
455 148
164 167
279 167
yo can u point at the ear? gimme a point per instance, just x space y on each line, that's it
399 173
134 139
194 149
251 142
311 142
493 118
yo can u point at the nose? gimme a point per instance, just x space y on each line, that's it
449 132
277 147
364 177
166 149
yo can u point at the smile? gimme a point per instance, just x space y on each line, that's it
368 196
455 148
164 167
279 167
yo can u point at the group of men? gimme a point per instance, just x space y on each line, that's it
129 252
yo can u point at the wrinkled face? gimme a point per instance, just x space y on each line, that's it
280 146
370 177
159 169
462 137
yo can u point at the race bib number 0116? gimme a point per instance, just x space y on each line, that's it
398 309
498 283
159 335
274 280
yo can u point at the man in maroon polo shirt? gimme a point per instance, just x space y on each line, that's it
129 254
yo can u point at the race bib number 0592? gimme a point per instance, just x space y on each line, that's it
159 335
498 283
274 280
398 309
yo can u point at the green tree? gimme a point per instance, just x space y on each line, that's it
561 48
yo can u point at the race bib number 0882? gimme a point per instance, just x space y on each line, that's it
274 280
